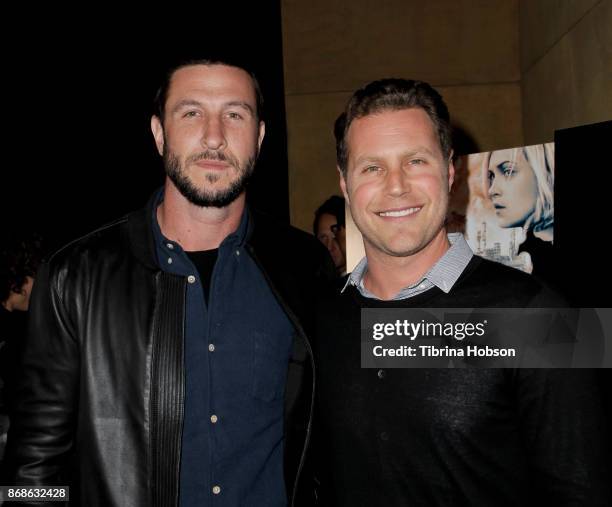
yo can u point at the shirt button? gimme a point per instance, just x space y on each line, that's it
169 260
211 347
381 373
214 419
422 286
191 279
237 252
216 490
384 436
170 246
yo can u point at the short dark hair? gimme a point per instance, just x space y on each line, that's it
20 257
159 102
393 94
333 206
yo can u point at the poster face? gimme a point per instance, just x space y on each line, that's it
502 201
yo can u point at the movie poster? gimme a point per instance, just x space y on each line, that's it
503 203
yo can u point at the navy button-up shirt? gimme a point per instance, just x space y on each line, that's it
237 352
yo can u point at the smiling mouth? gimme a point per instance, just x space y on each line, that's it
399 212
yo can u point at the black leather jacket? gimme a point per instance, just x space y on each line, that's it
100 403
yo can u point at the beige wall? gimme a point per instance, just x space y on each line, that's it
468 49
566 65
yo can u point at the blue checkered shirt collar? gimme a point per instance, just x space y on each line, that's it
443 274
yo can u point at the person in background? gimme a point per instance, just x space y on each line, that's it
20 257
330 229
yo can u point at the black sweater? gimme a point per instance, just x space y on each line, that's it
453 437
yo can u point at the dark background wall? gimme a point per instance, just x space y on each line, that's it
78 148
582 191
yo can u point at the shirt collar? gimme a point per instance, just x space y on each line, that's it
233 240
443 274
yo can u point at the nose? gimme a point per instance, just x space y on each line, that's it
213 136
327 241
397 182
333 247
494 190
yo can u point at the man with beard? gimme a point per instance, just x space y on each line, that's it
424 436
168 361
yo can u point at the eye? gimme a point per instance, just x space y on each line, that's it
508 170
233 115
371 169
191 114
417 161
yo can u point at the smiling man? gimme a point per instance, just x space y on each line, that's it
452 437
168 361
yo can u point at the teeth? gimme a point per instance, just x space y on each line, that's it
399 213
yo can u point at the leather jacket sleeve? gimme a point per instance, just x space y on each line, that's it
42 430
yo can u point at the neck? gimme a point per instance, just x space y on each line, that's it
387 275
193 227
544 234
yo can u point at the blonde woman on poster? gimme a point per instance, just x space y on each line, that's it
519 185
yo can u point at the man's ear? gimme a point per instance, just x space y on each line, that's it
451 171
261 135
158 133
343 185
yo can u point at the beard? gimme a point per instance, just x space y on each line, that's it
204 197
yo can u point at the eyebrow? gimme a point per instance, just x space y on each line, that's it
362 160
186 103
417 151
233 103
240 103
